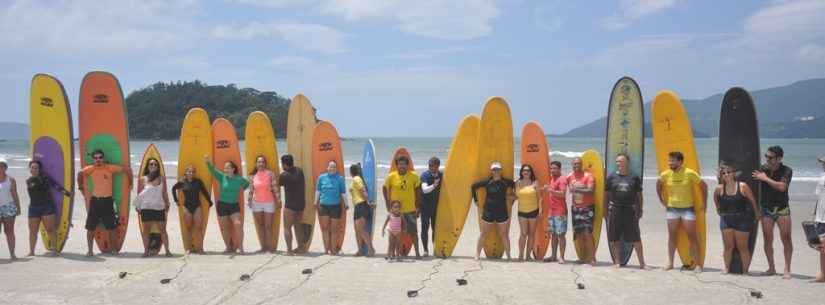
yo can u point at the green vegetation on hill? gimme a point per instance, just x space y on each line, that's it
157 111
793 111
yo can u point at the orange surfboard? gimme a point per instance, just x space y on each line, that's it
102 124
534 151
225 148
406 240
326 146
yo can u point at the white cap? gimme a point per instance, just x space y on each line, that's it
821 159
495 165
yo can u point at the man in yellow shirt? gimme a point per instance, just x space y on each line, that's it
405 186
675 190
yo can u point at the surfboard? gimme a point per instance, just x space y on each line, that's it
225 148
300 125
459 174
406 240
260 141
625 135
51 143
326 146
368 171
151 152
592 163
536 153
495 144
195 142
739 145
672 132
102 123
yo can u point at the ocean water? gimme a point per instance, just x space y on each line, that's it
800 154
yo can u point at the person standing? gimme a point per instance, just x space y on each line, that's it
41 209
495 214
292 179
363 207
583 185
9 206
405 186
678 183
624 209
330 196
152 204
819 218
529 208
733 199
231 185
557 219
101 203
430 189
192 188
263 201
775 179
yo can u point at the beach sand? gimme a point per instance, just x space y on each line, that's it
277 279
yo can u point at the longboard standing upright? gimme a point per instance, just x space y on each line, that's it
260 141
52 144
300 126
625 135
739 145
103 126
495 144
536 153
195 142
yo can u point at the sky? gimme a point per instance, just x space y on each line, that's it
399 68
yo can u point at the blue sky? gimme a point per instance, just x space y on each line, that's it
415 68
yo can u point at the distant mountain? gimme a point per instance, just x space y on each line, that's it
157 111
14 131
793 111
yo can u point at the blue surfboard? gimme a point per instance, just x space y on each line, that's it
368 167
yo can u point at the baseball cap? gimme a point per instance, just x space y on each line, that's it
495 165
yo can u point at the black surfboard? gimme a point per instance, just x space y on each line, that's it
739 145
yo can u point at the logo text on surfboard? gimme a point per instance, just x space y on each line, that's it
100 99
532 148
326 146
46 102
221 144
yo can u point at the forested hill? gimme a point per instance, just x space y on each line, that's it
156 112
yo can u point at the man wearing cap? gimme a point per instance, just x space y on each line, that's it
430 188
820 221
582 185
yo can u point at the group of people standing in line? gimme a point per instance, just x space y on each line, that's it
410 198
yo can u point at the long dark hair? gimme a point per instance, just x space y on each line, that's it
234 167
148 174
39 166
355 171
255 167
532 172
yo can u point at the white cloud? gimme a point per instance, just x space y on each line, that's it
631 11
89 27
427 54
308 37
441 19
300 64
271 3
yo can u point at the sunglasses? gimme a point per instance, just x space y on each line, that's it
726 172
153 164
97 158
769 157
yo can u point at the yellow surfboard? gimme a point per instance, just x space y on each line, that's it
592 163
495 144
672 132
300 126
51 144
195 142
150 153
260 141
454 200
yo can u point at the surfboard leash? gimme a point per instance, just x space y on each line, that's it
466 273
177 273
309 272
579 285
246 278
433 272
754 293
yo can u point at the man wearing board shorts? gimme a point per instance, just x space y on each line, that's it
101 209
678 183
582 186
405 186
775 179
624 209
819 218
292 179
557 218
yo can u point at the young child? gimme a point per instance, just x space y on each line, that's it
396 222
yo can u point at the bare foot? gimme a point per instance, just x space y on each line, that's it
13 257
820 278
357 254
30 254
617 266
787 275
668 267
371 253
698 269
643 267
289 253
476 258
550 259
561 261
168 254
145 254
90 253
54 254
770 272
